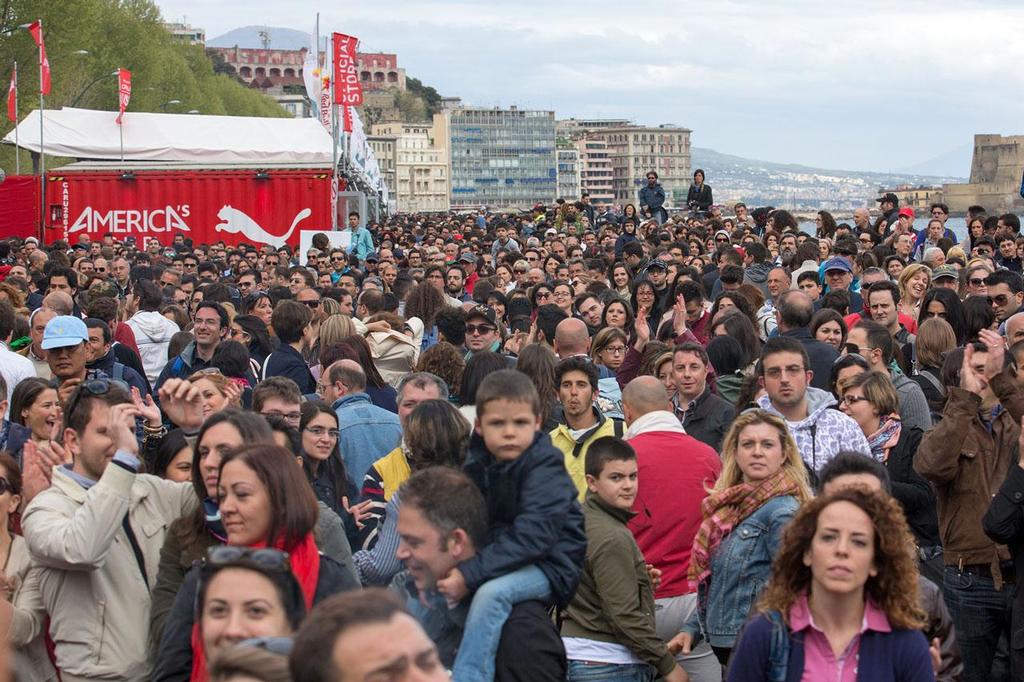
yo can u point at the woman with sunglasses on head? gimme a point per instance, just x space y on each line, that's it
216 391
843 594
265 502
260 305
21 605
251 331
189 537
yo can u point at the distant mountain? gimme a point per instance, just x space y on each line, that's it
249 37
953 162
756 182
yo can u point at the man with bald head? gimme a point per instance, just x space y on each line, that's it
572 339
1014 329
366 432
676 471
59 302
793 312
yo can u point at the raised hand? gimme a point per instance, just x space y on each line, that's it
121 427
148 409
233 392
968 381
182 403
642 329
679 316
996 352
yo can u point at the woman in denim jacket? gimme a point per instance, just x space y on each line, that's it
763 483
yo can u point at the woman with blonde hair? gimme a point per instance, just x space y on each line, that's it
334 328
843 580
914 282
216 391
762 484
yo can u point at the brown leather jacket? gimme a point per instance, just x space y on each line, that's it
966 460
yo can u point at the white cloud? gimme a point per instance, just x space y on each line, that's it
804 80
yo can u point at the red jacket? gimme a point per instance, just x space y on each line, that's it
675 471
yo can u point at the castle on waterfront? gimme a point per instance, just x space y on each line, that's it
995 181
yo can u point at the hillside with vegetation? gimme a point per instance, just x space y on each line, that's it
87 40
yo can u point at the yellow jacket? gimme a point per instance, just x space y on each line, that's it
575 451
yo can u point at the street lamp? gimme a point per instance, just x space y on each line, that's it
89 86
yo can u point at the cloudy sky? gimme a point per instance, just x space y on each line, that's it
865 85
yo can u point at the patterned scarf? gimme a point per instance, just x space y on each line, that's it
885 438
724 510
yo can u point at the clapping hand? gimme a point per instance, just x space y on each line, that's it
642 329
968 381
996 352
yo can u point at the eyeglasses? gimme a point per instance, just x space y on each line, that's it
851 349
851 400
264 559
543 296
480 329
1000 300
290 417
976 281
320 432
615 350
207 371
311 304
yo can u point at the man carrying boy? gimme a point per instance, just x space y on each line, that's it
536 540
609 626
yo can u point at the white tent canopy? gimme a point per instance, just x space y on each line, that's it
91 134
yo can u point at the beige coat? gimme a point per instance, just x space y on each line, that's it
27 620
89 579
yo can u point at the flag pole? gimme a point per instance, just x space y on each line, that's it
17 149
42 153
335 183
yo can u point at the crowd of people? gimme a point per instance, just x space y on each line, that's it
570 443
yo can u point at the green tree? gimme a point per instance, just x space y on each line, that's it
116 33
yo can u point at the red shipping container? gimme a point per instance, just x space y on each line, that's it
238 206
19 206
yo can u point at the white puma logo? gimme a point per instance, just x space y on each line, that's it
236 221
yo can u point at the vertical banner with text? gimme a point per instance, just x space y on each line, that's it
348 91
124 92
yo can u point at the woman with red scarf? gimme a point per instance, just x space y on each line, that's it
265 501
762 484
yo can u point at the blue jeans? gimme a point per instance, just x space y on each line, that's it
981 614
491 607
582 671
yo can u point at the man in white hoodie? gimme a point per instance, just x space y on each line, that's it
820 432
153 331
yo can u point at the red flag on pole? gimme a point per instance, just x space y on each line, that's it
124 92
36 29
346 118
12 97
348 91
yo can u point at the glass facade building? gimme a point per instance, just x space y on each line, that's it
501 158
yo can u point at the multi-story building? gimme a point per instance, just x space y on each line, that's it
384 147
595 170
568 179
920 198
185 33
635 150
499 158
420 166
576 128
377 70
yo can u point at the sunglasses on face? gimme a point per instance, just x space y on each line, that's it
311 304
976 281
480 329
1000 300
